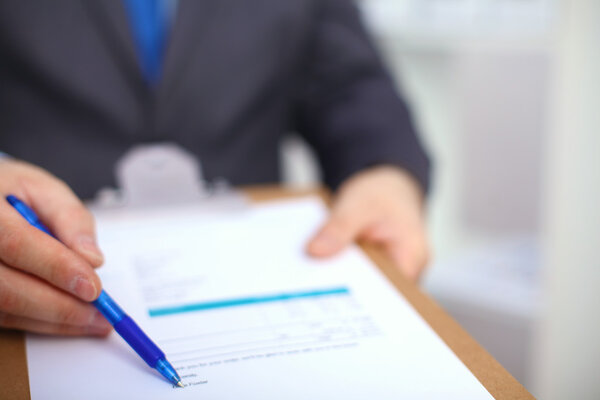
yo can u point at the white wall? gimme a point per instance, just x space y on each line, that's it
482 113
569 348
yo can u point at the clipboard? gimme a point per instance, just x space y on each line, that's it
501 385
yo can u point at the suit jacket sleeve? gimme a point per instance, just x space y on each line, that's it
348 109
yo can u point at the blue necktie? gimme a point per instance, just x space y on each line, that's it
149 25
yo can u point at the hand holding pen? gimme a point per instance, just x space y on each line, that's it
122 323
46 285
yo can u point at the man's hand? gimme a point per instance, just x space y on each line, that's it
382 205
46 285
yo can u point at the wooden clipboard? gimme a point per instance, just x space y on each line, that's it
14 382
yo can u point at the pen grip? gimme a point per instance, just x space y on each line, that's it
138 340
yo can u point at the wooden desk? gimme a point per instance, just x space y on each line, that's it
14 382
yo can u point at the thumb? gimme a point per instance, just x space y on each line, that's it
338 232
68 219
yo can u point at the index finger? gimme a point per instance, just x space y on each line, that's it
28 249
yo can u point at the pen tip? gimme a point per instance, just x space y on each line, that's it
179 384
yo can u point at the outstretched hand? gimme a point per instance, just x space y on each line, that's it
382 205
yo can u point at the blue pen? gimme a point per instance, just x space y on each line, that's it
122 322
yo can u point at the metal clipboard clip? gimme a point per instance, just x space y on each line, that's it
165 175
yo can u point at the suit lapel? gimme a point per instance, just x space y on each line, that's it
111 19
192 19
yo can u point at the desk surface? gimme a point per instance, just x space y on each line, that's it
14 382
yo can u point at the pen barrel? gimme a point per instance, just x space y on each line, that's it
109 308
139 341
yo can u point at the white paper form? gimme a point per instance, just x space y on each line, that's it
242 313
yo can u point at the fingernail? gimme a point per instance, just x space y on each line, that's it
83 288
88 245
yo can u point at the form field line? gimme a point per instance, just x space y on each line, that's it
245 301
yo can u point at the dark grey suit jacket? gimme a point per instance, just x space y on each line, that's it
238 74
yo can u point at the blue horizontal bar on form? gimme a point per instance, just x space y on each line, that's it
244 301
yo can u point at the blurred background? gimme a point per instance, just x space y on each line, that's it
506 96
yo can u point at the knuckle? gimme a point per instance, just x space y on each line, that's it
9 321
9 300
69 315
60 268
61 329
11 242
69 330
